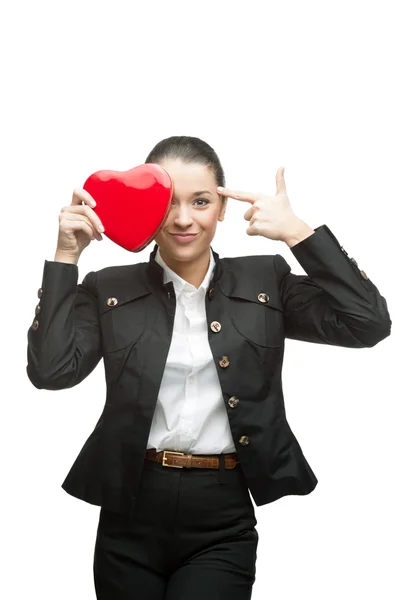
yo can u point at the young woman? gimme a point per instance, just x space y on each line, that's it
193 345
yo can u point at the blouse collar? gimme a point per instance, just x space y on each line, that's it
178 282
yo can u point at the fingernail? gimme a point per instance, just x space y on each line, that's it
101 228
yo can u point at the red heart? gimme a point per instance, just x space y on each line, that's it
132 205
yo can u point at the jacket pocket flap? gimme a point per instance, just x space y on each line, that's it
266 298
114 299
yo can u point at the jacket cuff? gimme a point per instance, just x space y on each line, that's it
58 274
322 248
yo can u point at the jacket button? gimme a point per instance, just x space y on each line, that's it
244 440
216 326
39 293
354 262
37 309
263 297
211 293
363 274
233 401
224 362
112 301
35 324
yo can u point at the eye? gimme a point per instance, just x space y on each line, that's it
197 200
203 200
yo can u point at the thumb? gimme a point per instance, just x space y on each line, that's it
280 181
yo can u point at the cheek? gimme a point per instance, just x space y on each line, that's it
168 223
208 218
212 220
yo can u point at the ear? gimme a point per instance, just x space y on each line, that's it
223 210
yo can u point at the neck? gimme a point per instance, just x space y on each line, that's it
192 271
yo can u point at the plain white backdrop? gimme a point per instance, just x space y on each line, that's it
311 86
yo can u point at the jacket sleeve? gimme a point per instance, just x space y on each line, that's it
64 340
335 303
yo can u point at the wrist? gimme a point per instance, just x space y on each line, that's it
65 258
298 233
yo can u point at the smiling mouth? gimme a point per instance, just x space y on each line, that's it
183 234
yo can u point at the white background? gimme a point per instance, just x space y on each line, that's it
311 86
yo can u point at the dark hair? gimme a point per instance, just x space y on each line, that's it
189 150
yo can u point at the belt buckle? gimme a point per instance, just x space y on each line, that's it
164 458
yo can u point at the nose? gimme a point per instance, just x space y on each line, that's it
183 217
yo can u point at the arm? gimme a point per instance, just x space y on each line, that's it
64 341
334 303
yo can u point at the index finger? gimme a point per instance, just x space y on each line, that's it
243 196
81 194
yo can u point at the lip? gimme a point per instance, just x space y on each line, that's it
184 238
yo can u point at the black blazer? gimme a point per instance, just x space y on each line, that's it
125 314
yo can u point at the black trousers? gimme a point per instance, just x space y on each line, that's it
192 536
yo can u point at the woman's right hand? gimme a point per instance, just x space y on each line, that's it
78 226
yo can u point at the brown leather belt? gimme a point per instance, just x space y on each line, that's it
199 461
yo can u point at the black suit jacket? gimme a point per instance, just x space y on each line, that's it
125 314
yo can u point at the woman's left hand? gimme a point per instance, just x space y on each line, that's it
270 216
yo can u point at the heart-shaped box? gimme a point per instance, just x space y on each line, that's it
132 205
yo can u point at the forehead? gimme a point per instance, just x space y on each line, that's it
189 176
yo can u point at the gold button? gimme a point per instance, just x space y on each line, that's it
363 274
37 309
39 293
216 326
244 440
211 293
263 297
35 324
224 362
112 301
233 401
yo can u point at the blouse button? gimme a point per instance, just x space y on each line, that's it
216 326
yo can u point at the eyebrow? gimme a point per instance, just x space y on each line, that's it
201 192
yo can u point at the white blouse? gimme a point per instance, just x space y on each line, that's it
190 415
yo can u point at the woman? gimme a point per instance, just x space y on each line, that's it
193 346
